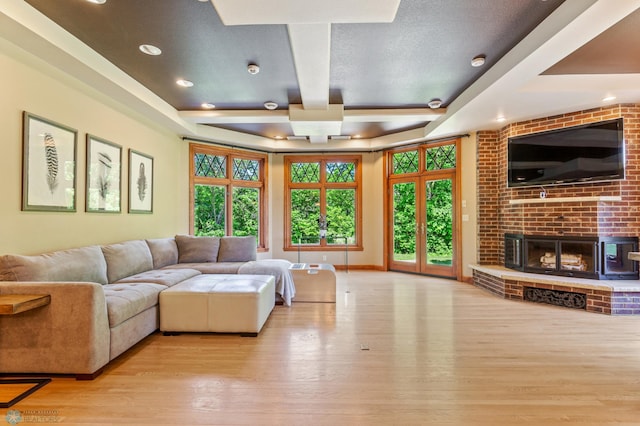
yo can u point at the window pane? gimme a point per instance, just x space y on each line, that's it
341 211
246 169
341 172
441 157
305 212
246 211
209 210
405 162
305 172
214 166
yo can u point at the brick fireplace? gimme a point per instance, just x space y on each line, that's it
589 210
602 209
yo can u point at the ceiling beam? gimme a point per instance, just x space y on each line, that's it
311 48
260 12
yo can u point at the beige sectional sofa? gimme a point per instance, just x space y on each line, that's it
105 299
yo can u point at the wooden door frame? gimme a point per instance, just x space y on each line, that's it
457 193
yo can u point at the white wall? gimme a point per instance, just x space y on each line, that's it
28 84
469 193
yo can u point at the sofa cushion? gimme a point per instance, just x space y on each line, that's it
125 301
85 264
197 249
164 252
166 277
210 267
237 249
128 258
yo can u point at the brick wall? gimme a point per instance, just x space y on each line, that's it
497 216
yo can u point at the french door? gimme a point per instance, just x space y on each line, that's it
423 227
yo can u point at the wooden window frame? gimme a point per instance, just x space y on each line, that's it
323 186
229 183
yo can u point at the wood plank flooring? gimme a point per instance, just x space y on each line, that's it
439 352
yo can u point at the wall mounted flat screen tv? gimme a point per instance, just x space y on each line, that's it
580 154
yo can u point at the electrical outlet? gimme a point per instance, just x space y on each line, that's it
324 257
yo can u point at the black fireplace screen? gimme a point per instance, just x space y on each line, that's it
586 257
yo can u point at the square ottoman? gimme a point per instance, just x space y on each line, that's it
221 303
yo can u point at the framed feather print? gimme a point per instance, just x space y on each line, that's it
48 165
140 182
103 176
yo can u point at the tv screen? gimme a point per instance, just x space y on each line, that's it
588 153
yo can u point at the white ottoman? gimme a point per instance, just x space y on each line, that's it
218 303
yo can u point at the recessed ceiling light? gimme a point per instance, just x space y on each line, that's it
150 49
270 105
253 69
97 1
435 103
501 119
208 105
608 99
184 83
478 61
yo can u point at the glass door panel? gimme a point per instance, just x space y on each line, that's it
405 225
439 230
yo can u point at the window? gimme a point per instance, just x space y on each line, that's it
228 192
325 187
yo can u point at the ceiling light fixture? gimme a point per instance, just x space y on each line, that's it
608 99
270 105
253 69
207 105
97 1
501 119
478 61
184 83
150 49
435 103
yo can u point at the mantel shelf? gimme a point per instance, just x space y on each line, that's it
566 199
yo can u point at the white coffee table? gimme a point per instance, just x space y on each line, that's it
315 282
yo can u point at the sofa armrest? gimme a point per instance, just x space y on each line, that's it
68 336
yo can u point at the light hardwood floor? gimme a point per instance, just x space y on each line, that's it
439 353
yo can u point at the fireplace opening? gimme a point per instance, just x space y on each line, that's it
583 257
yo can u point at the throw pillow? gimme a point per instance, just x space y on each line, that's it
237 249
197 249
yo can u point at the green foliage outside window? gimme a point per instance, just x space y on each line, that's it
439 219
209 210
404 218
305 211
246 211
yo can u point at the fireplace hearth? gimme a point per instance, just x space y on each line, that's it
604 258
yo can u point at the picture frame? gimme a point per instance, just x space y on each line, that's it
104 183
140 182
48 165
